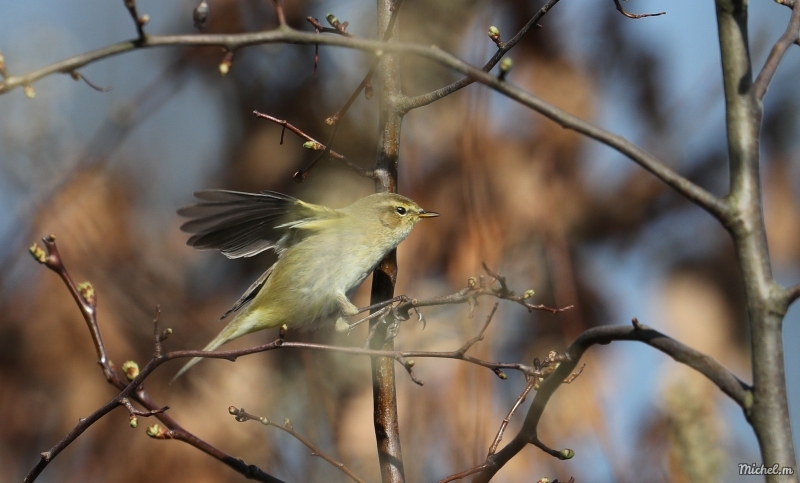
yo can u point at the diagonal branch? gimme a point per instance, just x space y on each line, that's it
789 37
242 415
316 145
231 42
333 120
410 103
85 297
704 364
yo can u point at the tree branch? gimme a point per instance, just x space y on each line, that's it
792 293
317 146
789 37
231 42
242 415
706 365
138 20
85 297
768 413
409 103
384 277
635 15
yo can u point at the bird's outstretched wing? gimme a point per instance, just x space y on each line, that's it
244 224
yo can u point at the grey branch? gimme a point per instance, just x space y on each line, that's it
284 34
704 364
789 37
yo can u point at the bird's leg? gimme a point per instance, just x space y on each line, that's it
399 298
342 325
348 309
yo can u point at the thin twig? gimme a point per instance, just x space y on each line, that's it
279 12
715 372
464 474
499 437
366 173
241 415
78 76
321 28
415 102
467 345
83 294
470 294
138 20
333 120
635 15
86 299
786 40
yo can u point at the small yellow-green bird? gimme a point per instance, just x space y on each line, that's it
323 254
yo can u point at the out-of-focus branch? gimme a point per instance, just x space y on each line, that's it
547 367
464 474
231 42
410 103
317 146
86 299
704 364
279 12
789 37
521 399
792 293
138 20
241 415
635 15
340 28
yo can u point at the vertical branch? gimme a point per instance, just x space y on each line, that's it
766 304
384 392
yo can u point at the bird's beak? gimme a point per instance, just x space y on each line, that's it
427 214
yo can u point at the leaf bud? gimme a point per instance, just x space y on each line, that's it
130 369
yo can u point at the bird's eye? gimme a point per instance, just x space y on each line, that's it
400 211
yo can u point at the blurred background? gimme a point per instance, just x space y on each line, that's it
557 213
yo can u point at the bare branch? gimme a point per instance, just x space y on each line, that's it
279 12
410 103
86 299
786 40
521 399
333 120
792 293
83 294
242 415
78 76
366 173
634 15
231 42
704 364
138 20
83 425
464 473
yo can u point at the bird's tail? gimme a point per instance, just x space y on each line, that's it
235 328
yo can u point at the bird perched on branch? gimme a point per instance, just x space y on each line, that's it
323 254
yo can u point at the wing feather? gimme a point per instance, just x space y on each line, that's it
245 224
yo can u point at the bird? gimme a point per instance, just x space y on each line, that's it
324 254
